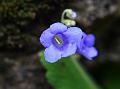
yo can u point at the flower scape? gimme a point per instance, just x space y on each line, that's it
62 41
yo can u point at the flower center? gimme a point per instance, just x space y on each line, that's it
58 40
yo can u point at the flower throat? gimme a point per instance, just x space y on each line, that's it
58 40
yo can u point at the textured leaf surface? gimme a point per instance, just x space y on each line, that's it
67 74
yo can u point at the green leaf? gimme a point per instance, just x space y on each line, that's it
67 73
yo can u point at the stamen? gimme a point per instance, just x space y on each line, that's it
58 40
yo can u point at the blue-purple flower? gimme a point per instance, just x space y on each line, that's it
60 41
85 46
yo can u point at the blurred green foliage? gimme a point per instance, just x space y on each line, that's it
67 74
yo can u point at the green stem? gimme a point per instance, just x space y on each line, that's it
63 14
68 22
68 73
84 75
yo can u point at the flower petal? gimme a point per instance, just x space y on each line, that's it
46 38
92 52
52 54
58 28
74 34
89 40
71 49
89 53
